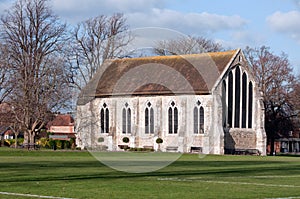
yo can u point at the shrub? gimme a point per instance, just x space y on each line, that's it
6 143
141 149
159 141
125 139
20 141
52 144
67 144
11 142
43 142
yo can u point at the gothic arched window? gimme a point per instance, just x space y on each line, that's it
198 118
173 118
149 119
250 104
244 100
104 119
237 97
126 119
201 119
230 98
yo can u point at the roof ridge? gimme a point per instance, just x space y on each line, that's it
176 56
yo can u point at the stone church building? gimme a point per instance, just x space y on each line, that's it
206 102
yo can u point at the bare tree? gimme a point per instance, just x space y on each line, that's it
296 95
95 40
189 45
34 38
276 80
5 74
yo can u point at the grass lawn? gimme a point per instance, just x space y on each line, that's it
79 175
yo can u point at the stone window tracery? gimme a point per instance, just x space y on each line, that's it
173 118
149 119
198 118
239 99
104 119
126 119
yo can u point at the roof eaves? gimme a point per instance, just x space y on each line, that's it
226 68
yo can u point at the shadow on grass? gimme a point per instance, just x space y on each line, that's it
88 170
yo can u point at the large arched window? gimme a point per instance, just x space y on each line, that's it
198 118
126 119
173 118
244 100
149 119
237 97
224 104
104 119
250 104
230 99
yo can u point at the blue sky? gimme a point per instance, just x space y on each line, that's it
233 23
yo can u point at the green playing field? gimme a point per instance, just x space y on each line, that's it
77 174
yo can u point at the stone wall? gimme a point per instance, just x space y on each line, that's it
183 140
240 139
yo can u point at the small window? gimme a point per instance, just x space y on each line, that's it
104 119
240 58
149 119
173 118
126 119
198 118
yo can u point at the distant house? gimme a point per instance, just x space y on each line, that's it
5 133
6 120
9 134
287 144
61 127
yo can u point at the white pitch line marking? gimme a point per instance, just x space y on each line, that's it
292 197
32 195
226 182
290 176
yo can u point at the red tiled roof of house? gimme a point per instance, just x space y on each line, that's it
61 120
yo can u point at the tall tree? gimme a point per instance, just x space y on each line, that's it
35 38
276 80
189 45
5 74
295 96
95 40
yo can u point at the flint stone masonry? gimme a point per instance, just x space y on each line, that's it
218 135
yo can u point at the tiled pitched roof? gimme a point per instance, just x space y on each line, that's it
61 120
159 75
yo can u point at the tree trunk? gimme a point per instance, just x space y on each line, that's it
32 140
26 140
16 140
272 148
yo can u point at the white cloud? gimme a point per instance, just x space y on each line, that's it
147 13
248 38
189 23
75 11
287 23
